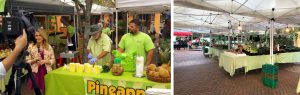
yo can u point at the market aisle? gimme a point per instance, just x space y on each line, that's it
196 75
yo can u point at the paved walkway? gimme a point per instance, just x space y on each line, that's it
196 75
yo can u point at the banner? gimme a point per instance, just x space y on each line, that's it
95 86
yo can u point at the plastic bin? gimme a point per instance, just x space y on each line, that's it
270 75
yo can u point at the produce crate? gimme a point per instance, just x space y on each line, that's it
270 75
270 69
272 83
205 50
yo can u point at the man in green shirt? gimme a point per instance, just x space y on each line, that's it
99 47
137 41
106 29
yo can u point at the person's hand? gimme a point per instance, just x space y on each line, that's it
35 60
21 41
93 60
90 56
43 62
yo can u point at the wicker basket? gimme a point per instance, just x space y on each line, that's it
158 79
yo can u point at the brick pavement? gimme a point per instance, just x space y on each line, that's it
196 75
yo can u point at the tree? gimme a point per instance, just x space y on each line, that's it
86 10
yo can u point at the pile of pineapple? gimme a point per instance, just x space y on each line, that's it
159 74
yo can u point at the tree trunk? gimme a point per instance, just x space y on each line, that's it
87 24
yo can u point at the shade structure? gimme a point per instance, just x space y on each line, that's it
250 14
183 33
143 6
50 7
96 8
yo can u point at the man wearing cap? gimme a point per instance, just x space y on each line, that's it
99 46
137 41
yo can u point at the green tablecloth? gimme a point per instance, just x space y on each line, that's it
61 82
2 5
230 62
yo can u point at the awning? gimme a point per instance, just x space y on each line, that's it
253 15
143 6
183 33
49 7
96 7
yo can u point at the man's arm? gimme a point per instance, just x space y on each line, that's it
149 56
88 51
121 50
101 55
20 43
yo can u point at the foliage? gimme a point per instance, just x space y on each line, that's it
127 59
106 3
165 51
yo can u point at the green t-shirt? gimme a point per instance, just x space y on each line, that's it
106 31
140 43
71 30
2 5
97 47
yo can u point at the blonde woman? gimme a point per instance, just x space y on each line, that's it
41 57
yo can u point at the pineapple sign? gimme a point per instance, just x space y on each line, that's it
95 86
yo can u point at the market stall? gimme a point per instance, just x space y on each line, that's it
61 82
181 43
115 77
231 62
272 22
44 7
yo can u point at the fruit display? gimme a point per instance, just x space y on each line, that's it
127 60
105 68
97 69
86 68
159 74
4 53
117 69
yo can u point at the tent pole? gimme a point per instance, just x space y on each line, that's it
203 39
272 37
210 44
271 41
229 41
116 28
75 29
127 22
192 40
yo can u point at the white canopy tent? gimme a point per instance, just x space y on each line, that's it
258 14
203 20
254 8
143 6
96 9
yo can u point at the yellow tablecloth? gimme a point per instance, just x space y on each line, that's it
215 52
231 62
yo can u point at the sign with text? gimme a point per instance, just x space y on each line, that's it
117 87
